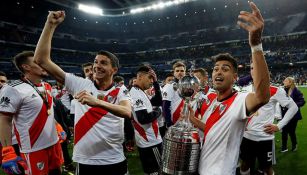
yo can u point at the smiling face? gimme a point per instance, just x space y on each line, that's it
223 76
103 68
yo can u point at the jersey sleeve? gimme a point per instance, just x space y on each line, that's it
10 99
241 106
123 94
137 100
75 84
168 92
281 97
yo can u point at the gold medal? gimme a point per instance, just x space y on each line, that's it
48 112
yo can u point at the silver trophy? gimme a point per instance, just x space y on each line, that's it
181 145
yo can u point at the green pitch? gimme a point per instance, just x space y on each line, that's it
289 163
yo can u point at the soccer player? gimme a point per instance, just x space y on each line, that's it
225 118
3 79
258 137
100 111
88 70
169 79
202 76
28 102
172 102
147 136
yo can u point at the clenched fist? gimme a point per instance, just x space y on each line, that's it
56 17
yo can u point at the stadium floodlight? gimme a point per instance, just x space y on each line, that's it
90 9
159 5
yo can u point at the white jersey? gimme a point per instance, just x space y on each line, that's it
225 123
99 135
146 135
63 95
265 115
169 93
72 106
33 127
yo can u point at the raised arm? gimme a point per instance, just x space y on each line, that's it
43 48
254 23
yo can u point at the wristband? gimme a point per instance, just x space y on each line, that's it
257 48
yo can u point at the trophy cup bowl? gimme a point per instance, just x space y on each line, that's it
187 86
181 145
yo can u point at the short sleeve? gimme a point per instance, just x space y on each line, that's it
123 94
138 101
240 105
75 84
10 99
168 92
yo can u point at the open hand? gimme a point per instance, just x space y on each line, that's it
253 23
153 74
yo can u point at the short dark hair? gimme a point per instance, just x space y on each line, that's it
179 64
2 74
86 64
227 57
169 75
111 56
118 79
21 59
202 71
144 69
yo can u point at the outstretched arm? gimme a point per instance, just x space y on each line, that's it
254 23
43 48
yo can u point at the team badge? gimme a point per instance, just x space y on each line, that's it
4 102
40 165
222 108
110 98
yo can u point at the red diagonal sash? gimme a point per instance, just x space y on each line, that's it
155 127
140 130
217 114
91 117
41 119
176 114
